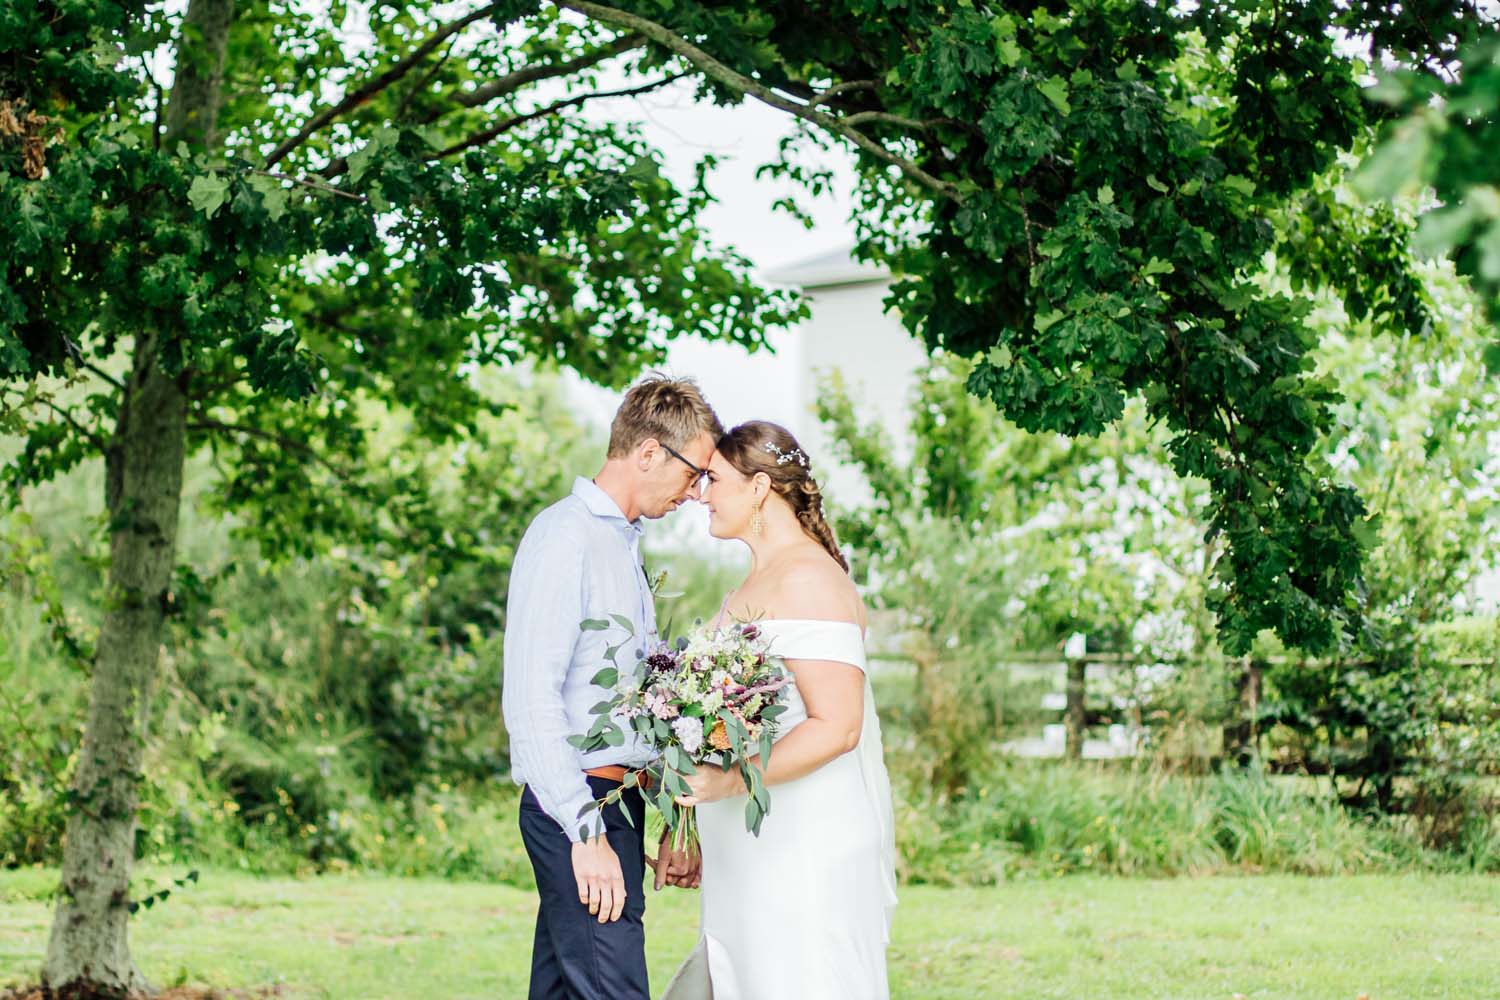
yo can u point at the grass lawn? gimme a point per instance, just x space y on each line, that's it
1386 937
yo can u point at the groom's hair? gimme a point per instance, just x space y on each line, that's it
671 410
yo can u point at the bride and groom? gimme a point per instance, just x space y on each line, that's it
801 911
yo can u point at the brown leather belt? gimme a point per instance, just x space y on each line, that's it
617 773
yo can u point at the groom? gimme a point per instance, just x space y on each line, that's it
581 559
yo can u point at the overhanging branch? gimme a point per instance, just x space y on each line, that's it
280 440
375 85
840 88
313 185
738 81
88 435
512 82
487 134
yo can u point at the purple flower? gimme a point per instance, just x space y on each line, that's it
769 687
662 660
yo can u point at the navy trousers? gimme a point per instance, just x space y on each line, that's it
574 956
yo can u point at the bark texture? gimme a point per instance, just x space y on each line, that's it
88 953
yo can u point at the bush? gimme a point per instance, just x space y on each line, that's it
307 707
991 540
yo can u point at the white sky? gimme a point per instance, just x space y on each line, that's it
740 386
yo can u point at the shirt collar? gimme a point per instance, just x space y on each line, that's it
601 504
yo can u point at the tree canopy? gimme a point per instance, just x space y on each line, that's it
373 249
1081 196
1443 143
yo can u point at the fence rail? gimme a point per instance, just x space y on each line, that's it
1241 730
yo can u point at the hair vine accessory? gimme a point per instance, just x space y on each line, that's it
783 457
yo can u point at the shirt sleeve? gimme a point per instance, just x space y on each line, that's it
543 611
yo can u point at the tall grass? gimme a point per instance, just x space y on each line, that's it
1041 819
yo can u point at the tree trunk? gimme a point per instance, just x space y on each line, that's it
1242 731
89 953
144 488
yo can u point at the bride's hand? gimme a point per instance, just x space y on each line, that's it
709 784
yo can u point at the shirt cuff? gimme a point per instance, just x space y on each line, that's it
593 823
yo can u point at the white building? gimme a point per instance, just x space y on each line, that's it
847 331
850 332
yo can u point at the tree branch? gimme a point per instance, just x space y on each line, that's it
841 88
509 84
76 354
374 86
88 435
106 376
274 438
860 117
314 185
731 78
485 135
512 82
417 87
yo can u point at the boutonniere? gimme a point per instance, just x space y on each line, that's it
656 584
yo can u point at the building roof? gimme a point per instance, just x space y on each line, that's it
831 267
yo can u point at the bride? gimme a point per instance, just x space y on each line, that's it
804 909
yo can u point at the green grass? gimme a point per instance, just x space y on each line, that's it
1284 937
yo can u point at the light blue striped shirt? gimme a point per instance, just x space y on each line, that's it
579 559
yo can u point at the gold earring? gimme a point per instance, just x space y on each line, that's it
755 519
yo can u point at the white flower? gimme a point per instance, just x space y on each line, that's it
689 733
701 643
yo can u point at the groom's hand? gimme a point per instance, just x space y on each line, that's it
683 869
601 883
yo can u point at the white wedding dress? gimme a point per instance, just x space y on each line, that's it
803 911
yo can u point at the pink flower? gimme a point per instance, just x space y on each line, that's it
660 706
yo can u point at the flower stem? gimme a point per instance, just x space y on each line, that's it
685 830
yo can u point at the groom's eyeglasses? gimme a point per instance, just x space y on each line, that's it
700 476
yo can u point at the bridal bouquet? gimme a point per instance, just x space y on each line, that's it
710 697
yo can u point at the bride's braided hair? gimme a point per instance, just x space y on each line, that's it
761 446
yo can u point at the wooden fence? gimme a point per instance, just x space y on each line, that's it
1241 726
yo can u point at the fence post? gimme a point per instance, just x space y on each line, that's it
1251 704
1077 711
